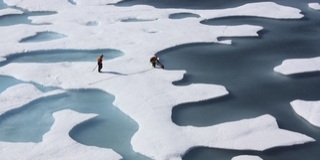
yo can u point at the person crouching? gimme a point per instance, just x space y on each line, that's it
155 61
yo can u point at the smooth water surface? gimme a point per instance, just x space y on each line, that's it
183 15
7 81
15 19
110 129
52 56
43 36
245 68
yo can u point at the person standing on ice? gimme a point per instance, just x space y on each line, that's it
99 62
155 61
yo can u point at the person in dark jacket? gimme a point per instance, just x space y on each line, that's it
155 61
99 62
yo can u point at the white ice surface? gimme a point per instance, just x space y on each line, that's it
152 35
294 66
147 95
151 108
315 6
2 59
57 144
246 157
309 110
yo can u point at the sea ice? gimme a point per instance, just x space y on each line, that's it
294 66
147 95
246 157
309 110
9 11
315 6
2 59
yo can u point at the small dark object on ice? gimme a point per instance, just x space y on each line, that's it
155 61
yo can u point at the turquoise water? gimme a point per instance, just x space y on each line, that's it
68 55
110 129
43 36
7 81
15 19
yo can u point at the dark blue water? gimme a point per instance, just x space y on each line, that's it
208 4
245 68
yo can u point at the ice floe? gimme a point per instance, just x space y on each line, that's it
295 66
246 157
315 6
309 110
9 11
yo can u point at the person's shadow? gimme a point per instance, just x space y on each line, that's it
116 73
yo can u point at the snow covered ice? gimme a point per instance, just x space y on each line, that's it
246 157
146 95
309 110
295 66
315 6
